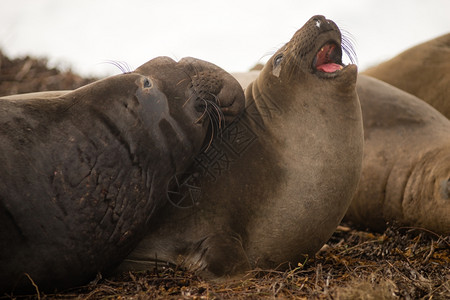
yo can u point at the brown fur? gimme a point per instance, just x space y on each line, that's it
422 149
406 167
423 71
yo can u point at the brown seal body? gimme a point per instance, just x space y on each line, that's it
84 171
423 71
406 166
405 178
273 189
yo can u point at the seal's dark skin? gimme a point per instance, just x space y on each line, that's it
274 188
423 70
84 171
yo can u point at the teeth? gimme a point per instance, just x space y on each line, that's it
321 50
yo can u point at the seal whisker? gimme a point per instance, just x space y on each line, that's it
183 79
197 71
194 91
188 99
268 53
291 59
212 134
187 74
203 114
348 46
348 49
216 106
216 118
212 116
297 60
216 98
124 67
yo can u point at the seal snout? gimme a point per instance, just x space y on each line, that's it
328 43
233 102
220 96
322 23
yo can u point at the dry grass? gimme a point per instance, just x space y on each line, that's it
28 74
397 264
400 263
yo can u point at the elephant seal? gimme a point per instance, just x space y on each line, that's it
272 190
406 166
400 138
84 171
422 71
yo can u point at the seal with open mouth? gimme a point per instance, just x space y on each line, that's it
84 171
272 190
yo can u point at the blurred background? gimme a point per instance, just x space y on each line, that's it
82 35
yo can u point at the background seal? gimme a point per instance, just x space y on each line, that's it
406 167
423 70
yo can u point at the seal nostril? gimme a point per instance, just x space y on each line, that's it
318 23
322 24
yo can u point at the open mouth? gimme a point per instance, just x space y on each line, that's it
328 59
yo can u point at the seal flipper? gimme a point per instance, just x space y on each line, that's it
219 256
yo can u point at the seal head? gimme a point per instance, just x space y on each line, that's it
84 171
307 101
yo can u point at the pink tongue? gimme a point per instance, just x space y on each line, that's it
329 68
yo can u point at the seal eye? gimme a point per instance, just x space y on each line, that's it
277 60
147 83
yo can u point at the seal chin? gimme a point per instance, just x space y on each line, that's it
327 62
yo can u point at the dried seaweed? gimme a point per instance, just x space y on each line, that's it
397 264
29 74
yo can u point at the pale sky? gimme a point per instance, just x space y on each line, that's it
235 35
